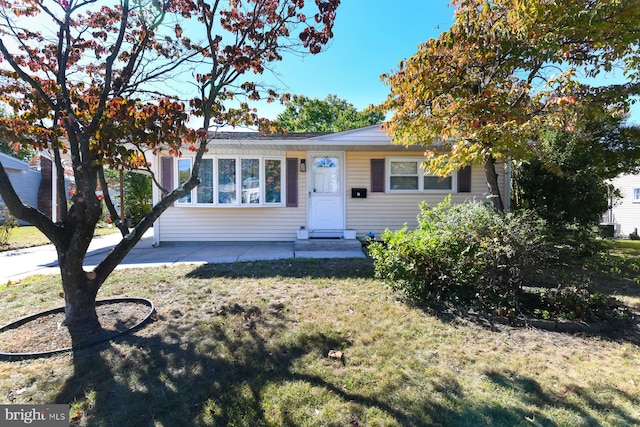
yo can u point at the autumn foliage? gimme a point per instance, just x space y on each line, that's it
505 71
105 84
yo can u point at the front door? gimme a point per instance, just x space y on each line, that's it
326 194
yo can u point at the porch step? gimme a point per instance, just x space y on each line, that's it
327 245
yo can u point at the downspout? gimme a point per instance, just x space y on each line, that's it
155 198
54 193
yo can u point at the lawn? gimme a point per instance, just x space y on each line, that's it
29 236
630 248
247 345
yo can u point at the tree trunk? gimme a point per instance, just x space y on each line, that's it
80 287
80 309
492 182
80 294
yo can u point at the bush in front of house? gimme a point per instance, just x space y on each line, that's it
571 303
463 254
470 255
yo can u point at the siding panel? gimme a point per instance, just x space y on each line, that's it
380 211
226 224
375 213
230 224
626 213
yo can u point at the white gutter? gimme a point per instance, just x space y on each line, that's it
155 194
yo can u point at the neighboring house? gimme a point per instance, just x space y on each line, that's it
284 187
47 202
25 181
625 212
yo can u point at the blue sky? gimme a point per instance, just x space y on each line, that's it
370 38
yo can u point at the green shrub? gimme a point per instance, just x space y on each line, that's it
576 302
137 195
467 253
7 224
579 243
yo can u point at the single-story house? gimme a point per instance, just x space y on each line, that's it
297 186
25 181
624 213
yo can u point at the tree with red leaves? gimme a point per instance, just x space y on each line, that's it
83 84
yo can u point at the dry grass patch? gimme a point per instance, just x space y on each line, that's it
247 345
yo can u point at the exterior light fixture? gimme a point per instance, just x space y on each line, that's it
303 165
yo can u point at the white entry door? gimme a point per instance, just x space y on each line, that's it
326 194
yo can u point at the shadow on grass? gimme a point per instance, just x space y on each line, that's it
209 372
616 286
530 392
340 268
237 369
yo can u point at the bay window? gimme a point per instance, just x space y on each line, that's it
184 172
235 181
205 189
227 181
250 181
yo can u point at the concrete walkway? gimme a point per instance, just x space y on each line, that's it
15 265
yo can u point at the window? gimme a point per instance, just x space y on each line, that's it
184 172
250 181
406 175
273 181
325 175
205 189
227 181
235 181
636 195
432 182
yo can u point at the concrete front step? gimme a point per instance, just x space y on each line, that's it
327 245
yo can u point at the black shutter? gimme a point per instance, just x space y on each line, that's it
377 176
464 180
292 182
166 173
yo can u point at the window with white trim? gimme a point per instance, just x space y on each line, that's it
227 182
636 195
235 181
184 172
204 191
406 175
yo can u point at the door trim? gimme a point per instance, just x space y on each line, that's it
327 233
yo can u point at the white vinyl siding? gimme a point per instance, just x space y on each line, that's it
379 211
25 181
270 222
626 211
375 213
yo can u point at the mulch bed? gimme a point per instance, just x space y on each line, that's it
46 333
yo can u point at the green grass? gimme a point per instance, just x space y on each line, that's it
633 244
29 236
629 248
246 345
